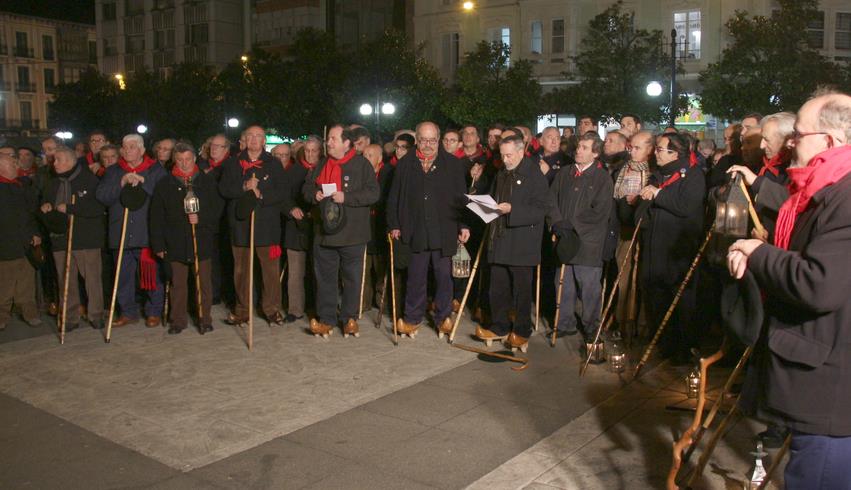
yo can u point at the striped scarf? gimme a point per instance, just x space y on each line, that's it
624 185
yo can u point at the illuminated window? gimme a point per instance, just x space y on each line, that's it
537 37
687 25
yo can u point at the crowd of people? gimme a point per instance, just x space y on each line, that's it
180 226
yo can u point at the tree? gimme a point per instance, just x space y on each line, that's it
769 65
84 105
490 87
615 63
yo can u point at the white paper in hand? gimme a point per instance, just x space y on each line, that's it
328 189
485 200
483 212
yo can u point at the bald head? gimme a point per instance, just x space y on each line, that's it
829 117
641 146
428 138
373 154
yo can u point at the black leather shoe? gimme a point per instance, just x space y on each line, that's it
174 330
205 328
291 318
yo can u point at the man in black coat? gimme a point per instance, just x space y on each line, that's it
214 153
72 193
254 170
514 243
376 266
671 232
583 193
339 240
550 158
172 238
800 371
424 212
19 230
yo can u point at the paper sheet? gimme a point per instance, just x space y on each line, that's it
483 212
328 189
485 200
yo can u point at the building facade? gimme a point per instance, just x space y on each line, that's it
36 54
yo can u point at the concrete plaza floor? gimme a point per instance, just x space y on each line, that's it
150 410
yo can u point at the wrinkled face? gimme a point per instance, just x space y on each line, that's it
512 154
401 148
451 141
164 149
642 148
63 162
372 153
7 166
108 158
361 144
255 138
550 140
586 125
218 148
311 152
427 140
585 152
282 153
772 141
185 161
96 142
132 152
664 156
613 144
470 137
336 146
749 126
26 159
628 126
809 140
493 137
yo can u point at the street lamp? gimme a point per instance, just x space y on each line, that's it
365 109
64 135
233 122
120 78
141 129
388 108
243 58
468 6
654 89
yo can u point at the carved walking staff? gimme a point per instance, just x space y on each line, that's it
64 316
558 305
117 275
673 306
393 290
192 205
362 284
469 284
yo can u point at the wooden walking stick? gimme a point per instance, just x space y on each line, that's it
632 307
117 275
673 306
362 284
713 442
558 305
679 445
611 299
469 285
776 462
197 275
251 282
381 303
64 316
757 224
522 360
392 273
538 297
283 272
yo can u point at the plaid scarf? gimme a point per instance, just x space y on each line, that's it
626 186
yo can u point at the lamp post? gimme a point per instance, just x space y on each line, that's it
386 108
141 129
673 104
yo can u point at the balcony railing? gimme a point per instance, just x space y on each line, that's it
24 52
25 87
19 124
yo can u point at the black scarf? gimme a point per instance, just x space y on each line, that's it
63 193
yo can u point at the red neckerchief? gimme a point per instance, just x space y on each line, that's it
692 159
476 154
214 164
180 175
100 171
305 164
26 173
577 172
459 153
394 161
677 175
248 165
378 170
288 164
4 180
771 165
90 158
147 162
825 169
332 172
423 158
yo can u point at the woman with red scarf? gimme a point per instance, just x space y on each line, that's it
800 372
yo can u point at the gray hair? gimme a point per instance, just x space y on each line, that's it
785 123
62 149
137 138
515 140
157 145
183 147
550 128
707 144
835 115
313 139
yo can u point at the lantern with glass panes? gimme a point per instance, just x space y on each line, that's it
461 262
191 204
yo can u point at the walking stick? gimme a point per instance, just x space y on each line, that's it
522 360
611 299
362 284
283 271
381 303
632 307
710 446
166 295
776 462
393 290
558 305
64 316
686 438
197 274
757 224
251 283
469 285
538 298
117 275
673 306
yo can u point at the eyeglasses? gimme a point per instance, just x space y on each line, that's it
427 141
797 136
401 147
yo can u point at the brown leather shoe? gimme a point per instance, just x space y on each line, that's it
351 328
233 319
445 328
122 321
153 321
487 336
319 329
405 328
456 306
277 318
515 342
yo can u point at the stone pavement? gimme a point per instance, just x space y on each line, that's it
190 411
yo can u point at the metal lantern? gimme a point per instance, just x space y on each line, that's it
595 351
759 472
616 354
731 210
461 262
191 204
693 383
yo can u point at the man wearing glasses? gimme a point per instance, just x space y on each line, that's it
424 212
404 143
97 139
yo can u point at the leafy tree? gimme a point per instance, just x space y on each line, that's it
615 63
488 88
769 65
85 104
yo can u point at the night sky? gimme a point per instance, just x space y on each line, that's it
73 10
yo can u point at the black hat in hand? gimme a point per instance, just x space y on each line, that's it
245 205
741 307
132 197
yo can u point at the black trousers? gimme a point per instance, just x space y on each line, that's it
682 333
328 264
511 287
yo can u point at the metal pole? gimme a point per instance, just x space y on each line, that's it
673 104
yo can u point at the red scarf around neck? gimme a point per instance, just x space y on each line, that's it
771 165
578 172
248 165
332 172
26 173
394 161
90 158
459 153
184 176
4 180
378 170
305 164
147 162
214 164
476 154
824 170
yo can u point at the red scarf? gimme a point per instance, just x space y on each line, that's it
147 270
332 172
692 159
423 157
248 165
825 169
214 164
459 153
184 176
394 161
304 164
90 158
378 170
771 165
100 171
4 180
476 154
26 173
680 173
147 162
578 172
288 164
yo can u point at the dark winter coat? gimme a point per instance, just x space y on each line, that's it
584 204
556 162
518 240
805 371
378 214
672 228
88 212
360 192
170 229
274 191
298 234
17 220
108 192
405 208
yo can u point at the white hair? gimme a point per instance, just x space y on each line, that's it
137 138
785 123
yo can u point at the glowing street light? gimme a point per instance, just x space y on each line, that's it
468 6
388 108
365 109
120 78
141 129
233 122
244 58
65 135
654 89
